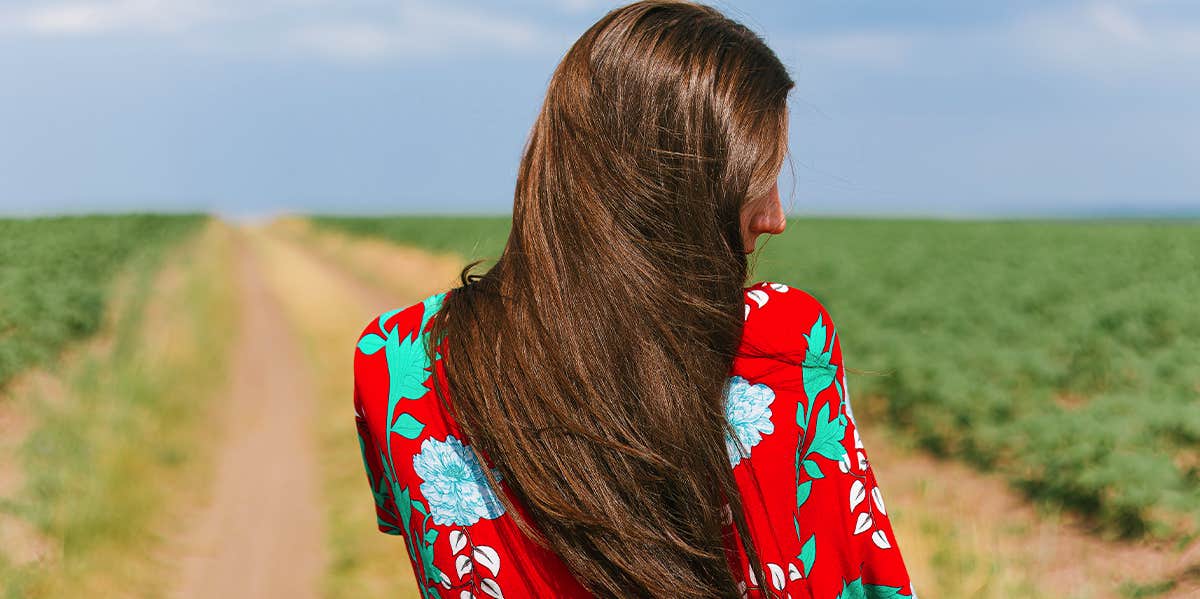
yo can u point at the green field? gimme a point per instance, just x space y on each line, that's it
1064 355
55 275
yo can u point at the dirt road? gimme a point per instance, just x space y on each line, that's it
261 533
264 532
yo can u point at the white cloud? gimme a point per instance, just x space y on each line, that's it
1115 42
1114 21
349 41
93 17
866 48
1109 41
1112 40
422 29
579 6
346 30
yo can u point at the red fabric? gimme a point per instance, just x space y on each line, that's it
814 509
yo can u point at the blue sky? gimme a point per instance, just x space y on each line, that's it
252 107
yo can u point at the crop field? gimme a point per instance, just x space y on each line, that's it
1063 356
55 274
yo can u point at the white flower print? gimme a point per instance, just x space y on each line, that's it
455 485
748 409
758 296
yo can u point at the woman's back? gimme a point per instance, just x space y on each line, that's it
815 514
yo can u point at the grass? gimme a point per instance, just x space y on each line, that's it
1059 354
1136 591
115 458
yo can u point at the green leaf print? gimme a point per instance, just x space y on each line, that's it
841 394
432 304
432 574
818 372
878 591
382 492
802 491
812 469
827 439
435 576
370 344
816 335
808 554
826 433
404 504
408 427
408 366
801 417
418 544
383 318
408 369
855 589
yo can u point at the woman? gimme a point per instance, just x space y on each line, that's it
608 411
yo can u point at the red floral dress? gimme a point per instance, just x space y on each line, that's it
815 512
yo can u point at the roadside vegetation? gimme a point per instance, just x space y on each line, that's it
112 463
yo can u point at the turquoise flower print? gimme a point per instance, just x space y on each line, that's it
455 485
748 409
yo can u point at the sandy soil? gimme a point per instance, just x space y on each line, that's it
261 534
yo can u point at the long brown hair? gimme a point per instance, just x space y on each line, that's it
591 361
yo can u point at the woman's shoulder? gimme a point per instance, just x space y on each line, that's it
782 318
780 303
391 347
409 322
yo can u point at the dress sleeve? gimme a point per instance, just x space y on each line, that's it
833 517
381 480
